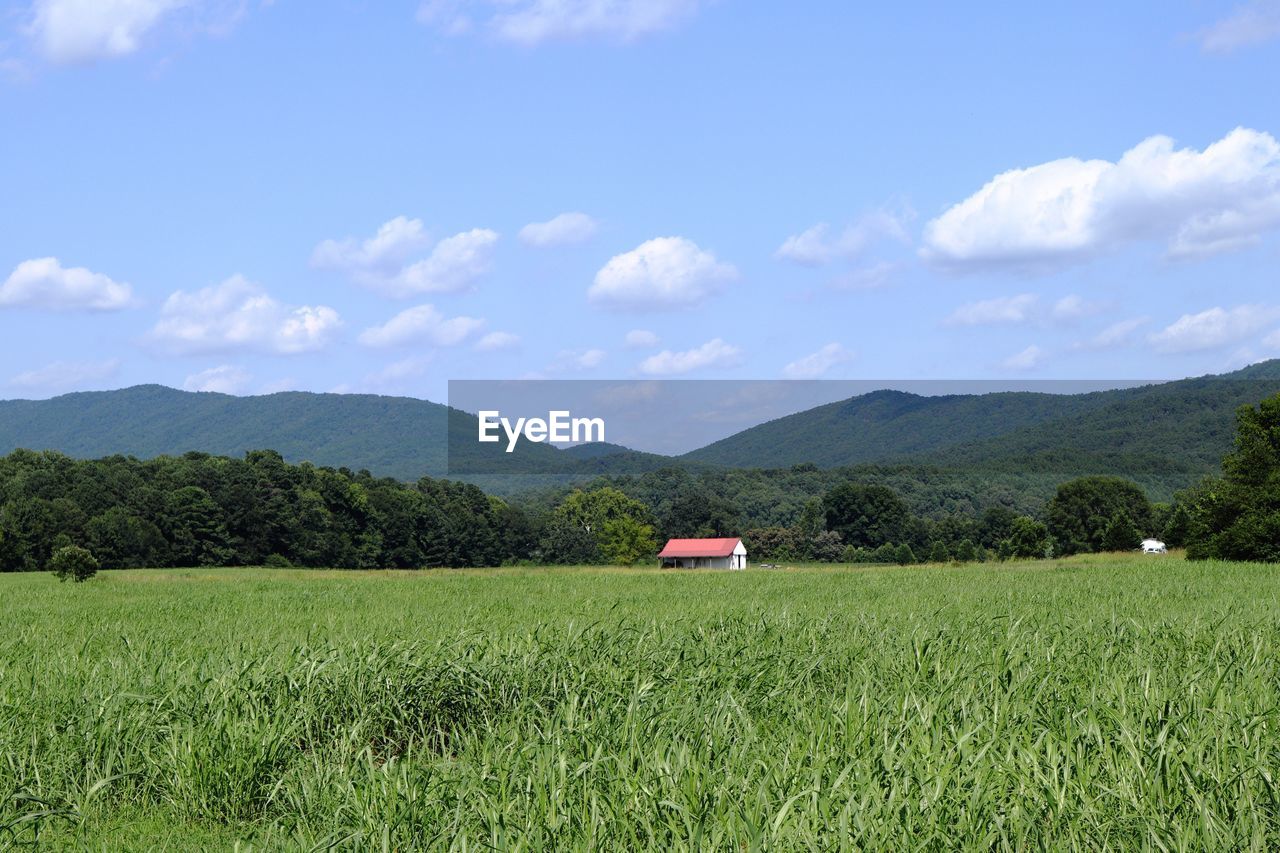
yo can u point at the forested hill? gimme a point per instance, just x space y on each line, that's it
1179 429
889 425
391 436
1167 434
399 437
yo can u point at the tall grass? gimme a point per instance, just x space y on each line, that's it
1094 703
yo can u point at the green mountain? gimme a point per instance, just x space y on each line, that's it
889 425
396 436
1179 429
1165 435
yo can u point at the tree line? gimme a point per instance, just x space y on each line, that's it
203 510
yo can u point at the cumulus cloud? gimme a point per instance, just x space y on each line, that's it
532 22
422 324
379 257
65 375
45 283
454 264
714 353
1217 327
819 245
1028 359
1247 25
641 339
564 230
239 315
1116 335
1066 211
382 262
1001 310
224 379
497 341
818 363
81 31
663 273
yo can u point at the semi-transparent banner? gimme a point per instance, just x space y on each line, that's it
541 427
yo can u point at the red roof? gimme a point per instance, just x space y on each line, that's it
699 547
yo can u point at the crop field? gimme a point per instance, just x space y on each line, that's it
1094 703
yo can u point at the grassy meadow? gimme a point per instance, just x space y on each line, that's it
1091 703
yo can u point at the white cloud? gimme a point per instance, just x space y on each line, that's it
1214 328
421 324
812 247
82 31
1116 335
663 273
224 379
45 283
239 315
571 360
382 262
454 264
1002 310
817 246
532 22
68 31
714 353
1195 202
377 258
1028 359
1247 25
818 363
497 341
65 375
641 339
564 230
1023 308
1074 307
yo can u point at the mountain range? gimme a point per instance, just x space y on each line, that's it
1171 432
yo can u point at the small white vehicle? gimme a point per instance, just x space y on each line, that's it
1154 546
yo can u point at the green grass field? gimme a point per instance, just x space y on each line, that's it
1093 703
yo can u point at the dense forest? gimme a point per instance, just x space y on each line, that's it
202 510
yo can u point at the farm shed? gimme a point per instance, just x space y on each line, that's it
704 554
1153 546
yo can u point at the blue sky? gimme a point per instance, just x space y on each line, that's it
358 196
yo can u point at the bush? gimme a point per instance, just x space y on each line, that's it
71 562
